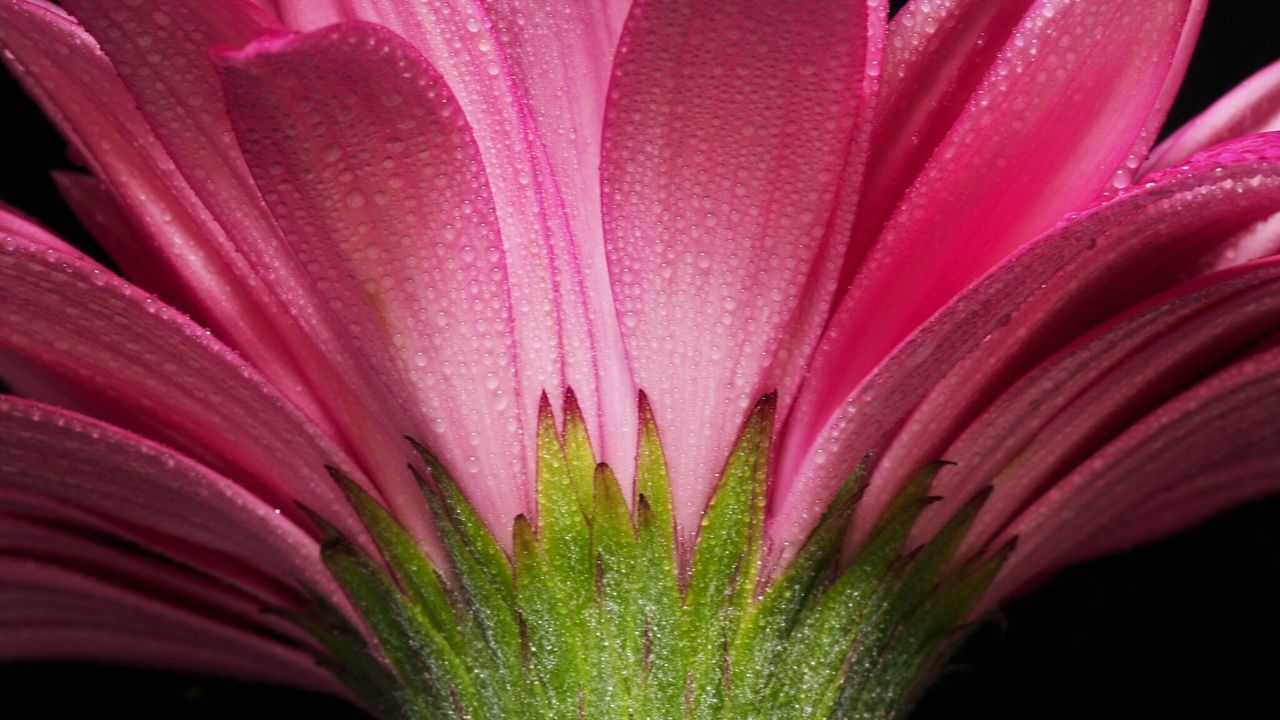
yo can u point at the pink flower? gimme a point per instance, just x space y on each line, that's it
940 237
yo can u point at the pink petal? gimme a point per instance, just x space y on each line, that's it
141 365
157 577
1252 107
1061 412
936 55
1067 110
161 49
531 78
386 202
63 69
155 497
1184 505
14 222
727 148
1217 437
54 613
114 228
920 398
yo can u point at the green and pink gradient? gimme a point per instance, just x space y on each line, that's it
926 278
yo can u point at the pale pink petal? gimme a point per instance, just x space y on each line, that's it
1067 111
727 146
531 78
1057 415
49 612
144 366
921 397
155 498
1219 434
385 200
1252 107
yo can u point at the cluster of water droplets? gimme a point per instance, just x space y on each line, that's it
389 209
722 162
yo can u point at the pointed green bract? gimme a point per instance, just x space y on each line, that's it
767 624
580 459
597 612
552 642
411 567
651 479
726 562
616 619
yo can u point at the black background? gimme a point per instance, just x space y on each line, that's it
1188 627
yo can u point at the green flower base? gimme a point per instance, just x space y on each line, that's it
598 614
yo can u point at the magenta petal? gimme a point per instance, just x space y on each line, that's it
1252 107
115 229
916 402
1056 121
387 203
1057 415
50 612
144 366
158 577
1217 441
154 496
727 146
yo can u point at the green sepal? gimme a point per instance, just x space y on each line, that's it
485 575
411 568
596 614
920 640
617 621
917 583
652 483
816 661
400 632
349 657
665 657
562 517
579 458
551 634
762 634
726 561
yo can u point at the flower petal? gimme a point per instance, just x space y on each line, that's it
114 228
55 613
155 497
1071 105
727 147
387 203
62 67
1220 435
105 557
141 365
908 411
1252 107
161 50
1060 413
936 55
531 78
